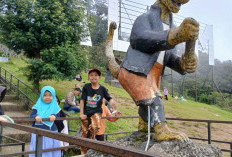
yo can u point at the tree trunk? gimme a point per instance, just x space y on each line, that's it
36 86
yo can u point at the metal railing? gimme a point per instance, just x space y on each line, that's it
19 87
104 147
209 122
209 139
16 142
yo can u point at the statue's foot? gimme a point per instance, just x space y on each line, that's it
162 133
142 127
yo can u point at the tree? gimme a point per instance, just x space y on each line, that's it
35 27
99 13
56 63
97 57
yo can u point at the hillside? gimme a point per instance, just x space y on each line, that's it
173 108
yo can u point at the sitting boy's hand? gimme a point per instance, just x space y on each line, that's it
38 119
3 119
118 114
83 117
52 118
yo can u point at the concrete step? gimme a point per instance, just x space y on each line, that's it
12 106
9 98
18 113
18 148
17 134
14 133
14 149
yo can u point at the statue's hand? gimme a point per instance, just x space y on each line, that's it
187 31
181 1
189 63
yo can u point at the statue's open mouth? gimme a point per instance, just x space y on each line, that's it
176 4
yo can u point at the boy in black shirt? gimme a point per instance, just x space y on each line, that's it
91 105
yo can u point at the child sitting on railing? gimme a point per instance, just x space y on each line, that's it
62 126
46 107
91 105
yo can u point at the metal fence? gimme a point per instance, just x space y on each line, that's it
129 10
104 147
209 128
21 89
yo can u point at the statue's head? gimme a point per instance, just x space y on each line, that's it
173 5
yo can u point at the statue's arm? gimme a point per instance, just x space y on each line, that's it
173 61
144 39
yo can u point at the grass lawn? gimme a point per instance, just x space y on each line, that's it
181 109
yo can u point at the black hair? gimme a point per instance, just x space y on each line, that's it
77 89
58 100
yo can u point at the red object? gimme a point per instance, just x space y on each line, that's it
95 70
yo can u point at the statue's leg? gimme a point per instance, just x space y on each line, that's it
142 89
139 89
158 122
157 111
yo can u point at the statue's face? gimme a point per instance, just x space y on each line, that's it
174 5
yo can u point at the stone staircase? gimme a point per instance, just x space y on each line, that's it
14 108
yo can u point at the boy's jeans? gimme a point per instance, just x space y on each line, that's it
94 127
74 108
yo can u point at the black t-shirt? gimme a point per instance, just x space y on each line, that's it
93 99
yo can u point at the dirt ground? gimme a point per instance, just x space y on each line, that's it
220 132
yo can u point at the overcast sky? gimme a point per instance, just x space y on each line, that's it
211 12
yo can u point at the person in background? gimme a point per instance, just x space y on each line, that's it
59 123
77 85
91 105
78 97
78 77
2 95
46 107
62 126
166 93
182 99
3 117
71 104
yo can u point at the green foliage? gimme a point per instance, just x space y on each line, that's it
48 31
223 75
56 63
17 67
33 26
207 91
99 29
97 57
1 53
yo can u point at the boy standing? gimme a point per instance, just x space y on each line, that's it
91 105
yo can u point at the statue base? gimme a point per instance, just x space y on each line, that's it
164 148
